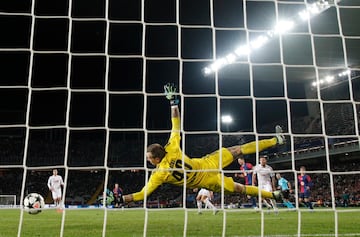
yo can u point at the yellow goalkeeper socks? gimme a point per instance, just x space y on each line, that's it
254 191
250 148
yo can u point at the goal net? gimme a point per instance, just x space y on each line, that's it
7 201
82 91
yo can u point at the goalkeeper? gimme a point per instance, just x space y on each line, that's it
174 167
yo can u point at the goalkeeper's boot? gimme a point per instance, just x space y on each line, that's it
278 196
279 136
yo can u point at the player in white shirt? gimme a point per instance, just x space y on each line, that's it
205 196
264 177
54 183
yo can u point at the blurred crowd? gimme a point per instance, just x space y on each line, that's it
126 155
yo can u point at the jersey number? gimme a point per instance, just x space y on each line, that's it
178 175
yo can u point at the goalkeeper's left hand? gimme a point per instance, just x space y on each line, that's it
170 93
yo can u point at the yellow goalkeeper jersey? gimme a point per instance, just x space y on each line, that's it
200 172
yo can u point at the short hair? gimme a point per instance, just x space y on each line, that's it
157 150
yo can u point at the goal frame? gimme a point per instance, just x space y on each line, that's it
13 196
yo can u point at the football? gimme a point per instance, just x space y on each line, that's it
33 203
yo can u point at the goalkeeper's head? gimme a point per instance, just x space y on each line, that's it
155 153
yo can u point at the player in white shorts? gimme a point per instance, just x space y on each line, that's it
54 184
205 196
264 176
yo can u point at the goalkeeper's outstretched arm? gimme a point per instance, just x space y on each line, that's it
156 180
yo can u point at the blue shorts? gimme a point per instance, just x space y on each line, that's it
306 194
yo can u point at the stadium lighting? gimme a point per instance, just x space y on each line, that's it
259 42
304 15
226 119
330 79
344 73
314 9
284 26
242 50
231 58
281 27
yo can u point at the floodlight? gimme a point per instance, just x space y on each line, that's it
242 50
283 26
226 119
207 71
344 73
259 41
314 9
218 64
304 15
329 79
231 58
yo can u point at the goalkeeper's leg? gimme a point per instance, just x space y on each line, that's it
253 147
254 191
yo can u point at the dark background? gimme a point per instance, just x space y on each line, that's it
88 78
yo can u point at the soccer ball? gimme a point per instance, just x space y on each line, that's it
33 203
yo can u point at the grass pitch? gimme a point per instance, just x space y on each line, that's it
170 222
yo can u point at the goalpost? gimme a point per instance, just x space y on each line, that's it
7 201
83 94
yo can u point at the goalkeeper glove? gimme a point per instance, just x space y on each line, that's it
170 93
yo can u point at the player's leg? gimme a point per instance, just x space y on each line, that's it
308 203
287 203
254 191
252 200
205 199
302 199
251 147
54 197
273 203
268 203
58 198
199 203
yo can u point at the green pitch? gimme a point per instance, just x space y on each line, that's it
170 222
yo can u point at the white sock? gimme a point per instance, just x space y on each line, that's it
267 204
273 204
209 204
199 205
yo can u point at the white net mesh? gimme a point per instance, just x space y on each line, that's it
81 91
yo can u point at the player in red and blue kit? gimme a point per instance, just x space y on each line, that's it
247 170
305 183
118 192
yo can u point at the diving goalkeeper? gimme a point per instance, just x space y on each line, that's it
174 167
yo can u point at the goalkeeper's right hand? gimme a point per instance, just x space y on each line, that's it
170 93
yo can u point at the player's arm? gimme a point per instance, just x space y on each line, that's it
250 169
289 186
254 178
309 182
62 182
171 95
49 184
154 182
